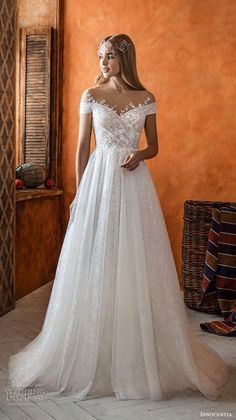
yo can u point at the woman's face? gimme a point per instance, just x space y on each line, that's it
109 61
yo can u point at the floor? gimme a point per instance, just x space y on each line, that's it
21 325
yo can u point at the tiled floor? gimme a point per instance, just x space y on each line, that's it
21 325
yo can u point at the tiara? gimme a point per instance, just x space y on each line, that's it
122 46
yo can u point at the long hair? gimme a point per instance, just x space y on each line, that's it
128 69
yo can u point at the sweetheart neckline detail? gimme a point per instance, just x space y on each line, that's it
129 107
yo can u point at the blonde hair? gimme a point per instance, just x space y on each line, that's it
128 69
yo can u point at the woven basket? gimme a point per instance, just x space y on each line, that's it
197 219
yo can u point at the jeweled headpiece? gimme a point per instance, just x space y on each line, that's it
122 46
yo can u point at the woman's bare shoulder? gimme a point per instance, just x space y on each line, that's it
93 89
144 94
150 95
85 94
91 92
88 93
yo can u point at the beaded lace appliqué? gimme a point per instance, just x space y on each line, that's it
122 132
128 107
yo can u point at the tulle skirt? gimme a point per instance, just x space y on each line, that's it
116 322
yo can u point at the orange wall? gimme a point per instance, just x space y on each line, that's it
186 57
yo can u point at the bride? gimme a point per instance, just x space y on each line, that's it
116 322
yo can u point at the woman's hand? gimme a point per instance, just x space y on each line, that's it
131 161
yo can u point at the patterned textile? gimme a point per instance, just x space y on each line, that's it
219 278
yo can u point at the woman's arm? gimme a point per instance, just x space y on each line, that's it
83 147
150 128
132 160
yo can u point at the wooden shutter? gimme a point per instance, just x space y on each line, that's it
35 77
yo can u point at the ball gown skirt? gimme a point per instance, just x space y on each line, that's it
116 323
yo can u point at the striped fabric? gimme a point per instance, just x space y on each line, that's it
219 278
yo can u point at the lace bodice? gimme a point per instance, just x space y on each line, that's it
116 129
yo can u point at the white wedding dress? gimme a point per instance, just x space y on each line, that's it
116 322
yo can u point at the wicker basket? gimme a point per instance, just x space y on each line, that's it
197 219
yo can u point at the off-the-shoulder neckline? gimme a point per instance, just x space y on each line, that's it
127 108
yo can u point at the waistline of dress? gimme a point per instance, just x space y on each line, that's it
115 148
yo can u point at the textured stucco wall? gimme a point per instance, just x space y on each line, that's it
186 57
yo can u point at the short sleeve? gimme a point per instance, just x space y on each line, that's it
85 103
152 108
